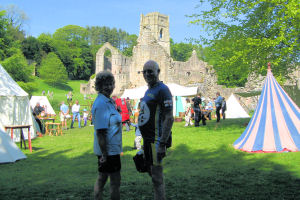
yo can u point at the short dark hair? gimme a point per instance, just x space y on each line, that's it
102 77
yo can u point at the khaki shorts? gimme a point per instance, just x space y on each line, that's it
64 117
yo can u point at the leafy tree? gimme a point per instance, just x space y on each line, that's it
3 25
117 37
52 70
8 42
32 49
183 51
247 34
17 67
71 33
71 45
47 43
131 41
16 19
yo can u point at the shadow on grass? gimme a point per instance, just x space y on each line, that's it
60 86
225 174
221 173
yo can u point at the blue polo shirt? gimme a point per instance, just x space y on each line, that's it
218 101
105 116
64 108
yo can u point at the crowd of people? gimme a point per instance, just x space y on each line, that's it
201 109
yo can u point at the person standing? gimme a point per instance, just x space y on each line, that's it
64 112
218 104
197 103
138 137
209 107
76 113
224 108
155 123
85 116
107 136
188 113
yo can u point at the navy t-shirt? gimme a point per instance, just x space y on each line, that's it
156 101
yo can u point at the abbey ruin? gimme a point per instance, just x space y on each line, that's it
154 43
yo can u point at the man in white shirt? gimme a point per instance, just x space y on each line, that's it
76 113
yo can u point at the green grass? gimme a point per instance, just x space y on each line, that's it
201 164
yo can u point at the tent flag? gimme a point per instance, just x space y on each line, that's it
275 125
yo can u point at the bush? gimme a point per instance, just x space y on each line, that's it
29 87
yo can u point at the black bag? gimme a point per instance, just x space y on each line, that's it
140 162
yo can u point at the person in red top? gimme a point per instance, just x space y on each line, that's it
122 106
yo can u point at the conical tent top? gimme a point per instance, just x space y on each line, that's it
269 66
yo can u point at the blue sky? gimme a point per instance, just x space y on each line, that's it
45 16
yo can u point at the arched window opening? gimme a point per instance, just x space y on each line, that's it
160 33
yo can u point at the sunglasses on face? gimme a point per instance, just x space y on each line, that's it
148 71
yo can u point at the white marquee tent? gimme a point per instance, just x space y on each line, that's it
43 100
177 91
14 106
9 152
234 108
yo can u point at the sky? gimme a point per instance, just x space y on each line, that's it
46 16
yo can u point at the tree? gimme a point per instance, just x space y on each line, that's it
247 34
183 51
52 70
47 43
32 49
71 33
17 67
130 41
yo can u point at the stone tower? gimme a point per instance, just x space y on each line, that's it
158 26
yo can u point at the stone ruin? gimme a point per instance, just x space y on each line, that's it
154 44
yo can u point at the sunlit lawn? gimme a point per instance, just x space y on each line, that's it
201 164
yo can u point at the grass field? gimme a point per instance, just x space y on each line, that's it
201 164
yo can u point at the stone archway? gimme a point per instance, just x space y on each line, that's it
105 62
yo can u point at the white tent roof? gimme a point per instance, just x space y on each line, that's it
9 152
176 90
234 108
43 100
14 106
8 87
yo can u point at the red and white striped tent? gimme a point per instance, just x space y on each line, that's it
275 125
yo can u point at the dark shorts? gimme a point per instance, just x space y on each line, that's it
113 164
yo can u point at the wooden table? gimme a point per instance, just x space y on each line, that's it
55 127
12 127
44 120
